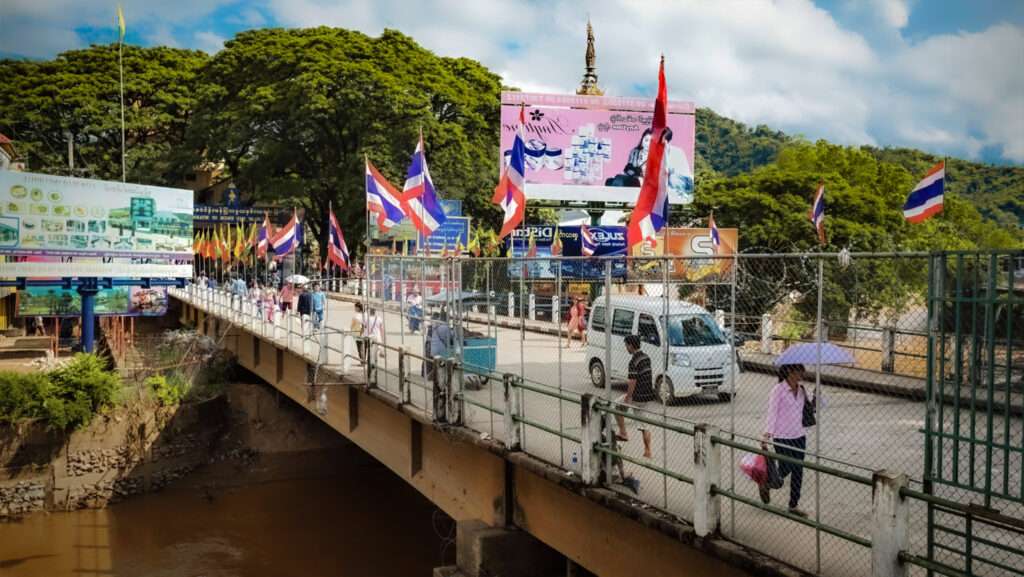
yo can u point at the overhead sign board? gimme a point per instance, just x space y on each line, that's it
454 232
594 148
94 227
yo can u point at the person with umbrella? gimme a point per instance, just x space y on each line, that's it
784 427
791 411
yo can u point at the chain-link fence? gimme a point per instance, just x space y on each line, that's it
615 368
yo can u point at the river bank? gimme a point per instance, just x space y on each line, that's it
141 448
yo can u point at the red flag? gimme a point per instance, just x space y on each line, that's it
651 212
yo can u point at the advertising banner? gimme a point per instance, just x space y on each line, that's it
119 301
148 229
696 245
452 233
594 149
608 240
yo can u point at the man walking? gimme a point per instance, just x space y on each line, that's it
318 301
639 390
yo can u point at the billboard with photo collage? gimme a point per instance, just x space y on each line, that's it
57 226
594 148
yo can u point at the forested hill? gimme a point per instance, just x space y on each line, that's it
726 147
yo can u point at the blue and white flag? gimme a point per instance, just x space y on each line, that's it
286 239
716 239
926 199
419 198
382 198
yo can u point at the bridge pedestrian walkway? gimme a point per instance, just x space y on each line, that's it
547 408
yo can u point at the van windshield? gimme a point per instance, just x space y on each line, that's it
694 331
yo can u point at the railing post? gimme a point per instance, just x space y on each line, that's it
439 396
492 309
511 304
766 333
454 409
512 438
888 350
555 304
590 436
403 385
891 524
706 474
532 307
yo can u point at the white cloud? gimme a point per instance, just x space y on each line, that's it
209 42
895 13
785 63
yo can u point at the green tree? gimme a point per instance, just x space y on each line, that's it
864 198
77 93
293 112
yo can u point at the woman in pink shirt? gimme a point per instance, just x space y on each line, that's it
784 427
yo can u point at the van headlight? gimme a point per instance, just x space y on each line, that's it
681 359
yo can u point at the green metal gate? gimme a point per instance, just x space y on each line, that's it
974 442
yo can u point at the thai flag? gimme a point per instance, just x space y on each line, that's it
419 198
716 239
382 198
926 199
286 239
337 250
263 236
817 212
510 193
651 212
587 244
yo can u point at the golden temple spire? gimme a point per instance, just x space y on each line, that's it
589 84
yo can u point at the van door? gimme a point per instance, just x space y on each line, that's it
650 342
623 321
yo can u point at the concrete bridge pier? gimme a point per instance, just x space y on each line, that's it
483 550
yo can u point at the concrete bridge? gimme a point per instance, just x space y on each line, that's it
526 468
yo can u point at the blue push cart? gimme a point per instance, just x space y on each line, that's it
479 350
479 354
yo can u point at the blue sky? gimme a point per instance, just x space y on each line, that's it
941 75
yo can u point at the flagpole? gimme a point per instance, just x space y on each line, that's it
120 66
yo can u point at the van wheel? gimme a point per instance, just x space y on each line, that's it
597 373
666 391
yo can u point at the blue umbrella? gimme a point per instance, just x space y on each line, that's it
807 354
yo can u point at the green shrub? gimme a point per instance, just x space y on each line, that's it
21 395
66 398
168 391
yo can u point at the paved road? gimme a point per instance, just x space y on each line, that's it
868 430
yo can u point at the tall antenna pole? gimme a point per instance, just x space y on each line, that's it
120 66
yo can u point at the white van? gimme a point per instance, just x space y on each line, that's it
698 356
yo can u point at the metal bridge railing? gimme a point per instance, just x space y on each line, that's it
875 520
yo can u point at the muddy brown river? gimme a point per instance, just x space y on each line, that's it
364 523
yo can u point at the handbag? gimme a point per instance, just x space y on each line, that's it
809 418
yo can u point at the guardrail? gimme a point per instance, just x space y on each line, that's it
879 545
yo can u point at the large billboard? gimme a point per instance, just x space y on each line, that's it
94 227
120 301
594 148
